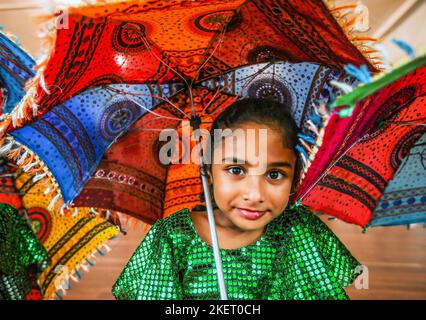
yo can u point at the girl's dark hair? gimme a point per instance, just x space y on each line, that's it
262 111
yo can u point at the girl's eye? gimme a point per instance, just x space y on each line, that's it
235 171
275 175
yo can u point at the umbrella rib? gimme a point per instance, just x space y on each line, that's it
150 111
168 66
219 43
219 90
344 153
165 99
329 168
143 107
145 123
253 76
239 93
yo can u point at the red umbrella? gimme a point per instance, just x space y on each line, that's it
361 153
164 42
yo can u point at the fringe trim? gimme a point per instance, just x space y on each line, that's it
27 108
63 281
15 39
128 222
315 129
30 163
122 221
353 18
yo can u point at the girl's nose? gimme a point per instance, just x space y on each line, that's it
253 189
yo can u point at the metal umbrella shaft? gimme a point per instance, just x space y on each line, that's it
217 258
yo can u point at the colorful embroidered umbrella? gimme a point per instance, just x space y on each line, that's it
71 238
16 68
170 43
70 141
361 153
404 199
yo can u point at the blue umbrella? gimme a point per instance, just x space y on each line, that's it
404 199
16 68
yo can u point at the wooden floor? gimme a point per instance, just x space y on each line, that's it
395 258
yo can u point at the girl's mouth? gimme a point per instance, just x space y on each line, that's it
250 214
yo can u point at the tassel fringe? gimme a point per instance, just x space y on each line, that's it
353 18
75 274
30 163
27 108
311 138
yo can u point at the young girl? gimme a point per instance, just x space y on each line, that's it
269 250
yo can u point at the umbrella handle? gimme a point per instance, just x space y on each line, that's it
215 245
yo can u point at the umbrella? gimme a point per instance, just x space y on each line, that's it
404 199
16 68
361 153
71 238
157 42
72 149
186 43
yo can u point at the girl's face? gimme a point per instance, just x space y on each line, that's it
248 196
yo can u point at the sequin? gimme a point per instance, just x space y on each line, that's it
298 257
22 256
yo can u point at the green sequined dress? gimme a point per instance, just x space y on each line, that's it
22 256
298 257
